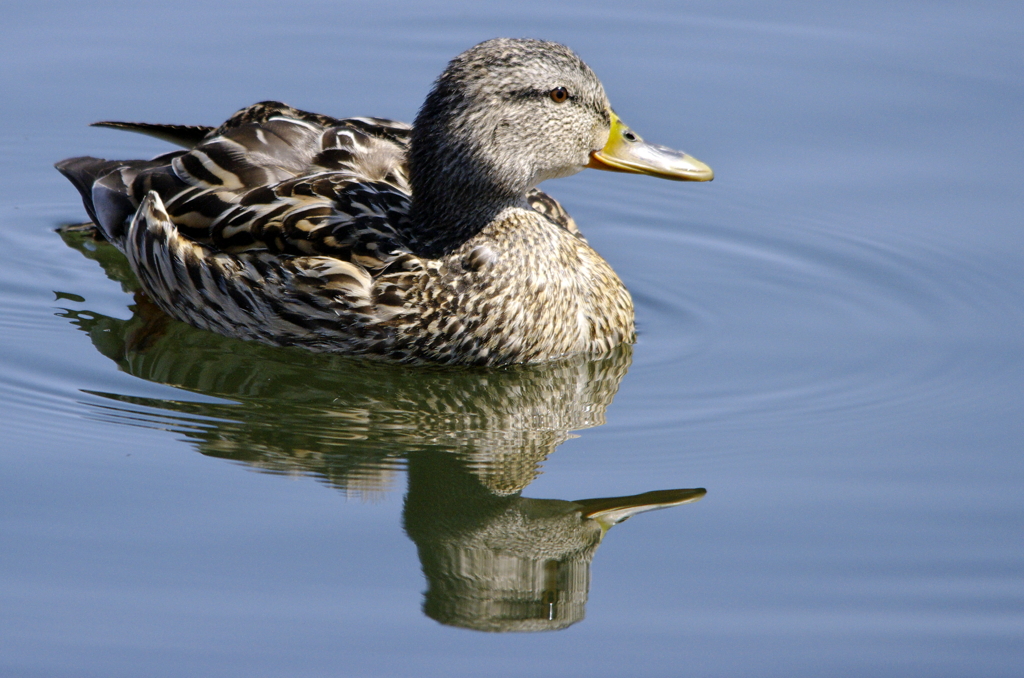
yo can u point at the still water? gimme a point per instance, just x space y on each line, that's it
831 345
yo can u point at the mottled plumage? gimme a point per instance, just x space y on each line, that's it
366 236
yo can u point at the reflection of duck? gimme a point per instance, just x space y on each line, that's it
473 439
496 562
298 229
345 419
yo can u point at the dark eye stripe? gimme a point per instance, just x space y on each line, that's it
521 94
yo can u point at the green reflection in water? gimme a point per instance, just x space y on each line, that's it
471 438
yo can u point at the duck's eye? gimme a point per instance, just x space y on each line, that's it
559 94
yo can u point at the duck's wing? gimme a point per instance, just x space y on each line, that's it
289 185
319 302
274 178
329 213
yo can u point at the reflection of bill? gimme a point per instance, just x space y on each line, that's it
496 562
473 439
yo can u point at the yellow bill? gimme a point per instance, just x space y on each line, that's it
627 152
608 511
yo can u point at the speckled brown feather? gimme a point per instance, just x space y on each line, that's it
298 229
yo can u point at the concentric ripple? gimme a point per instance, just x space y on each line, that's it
789 321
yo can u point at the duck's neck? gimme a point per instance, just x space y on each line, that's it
460 183
450 208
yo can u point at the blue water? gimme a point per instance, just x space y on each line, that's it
831 343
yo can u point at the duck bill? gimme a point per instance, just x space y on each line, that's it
627 152
609 511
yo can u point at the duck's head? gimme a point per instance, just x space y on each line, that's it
510 113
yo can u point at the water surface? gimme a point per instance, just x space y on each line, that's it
830 343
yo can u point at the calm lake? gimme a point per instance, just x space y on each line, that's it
831 344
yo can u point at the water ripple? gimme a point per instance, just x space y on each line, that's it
804 318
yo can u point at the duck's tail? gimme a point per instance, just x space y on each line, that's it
186 136
106 190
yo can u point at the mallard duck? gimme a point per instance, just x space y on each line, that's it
368 236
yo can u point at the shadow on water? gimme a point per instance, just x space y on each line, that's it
470 439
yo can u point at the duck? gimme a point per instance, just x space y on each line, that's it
428 243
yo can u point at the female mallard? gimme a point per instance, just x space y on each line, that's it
366 236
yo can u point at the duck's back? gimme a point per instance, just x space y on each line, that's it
270 178
286 227
274 178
